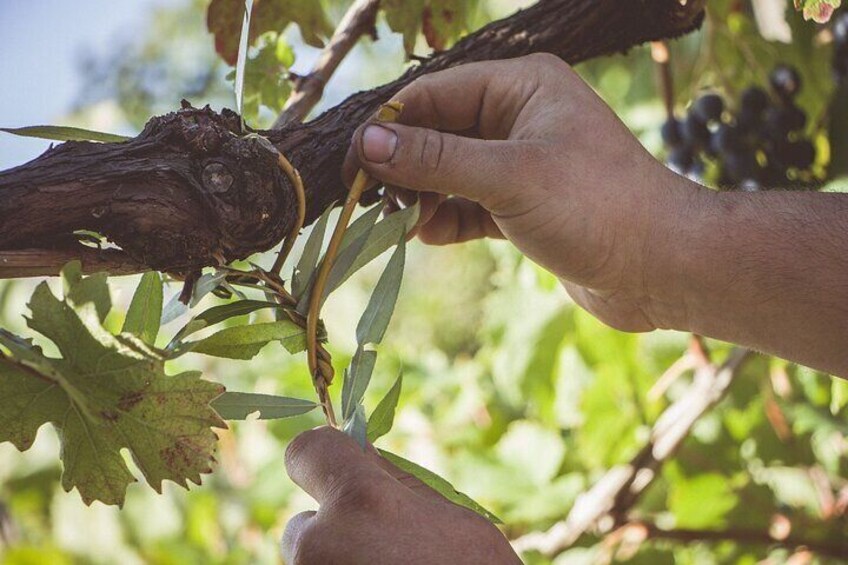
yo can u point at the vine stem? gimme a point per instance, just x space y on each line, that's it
300 193
319 367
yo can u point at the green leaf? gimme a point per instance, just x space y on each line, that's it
438 484
63 133
145 309
241 57
218 314
838 395
374 322
105 394
244 342
383 417
371 243
361 225
356 427
81 290
240 405
308 261
819 11
386 233
224 19
702 501
356 380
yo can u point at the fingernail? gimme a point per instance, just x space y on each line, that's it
378 143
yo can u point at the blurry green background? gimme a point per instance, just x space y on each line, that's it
517 396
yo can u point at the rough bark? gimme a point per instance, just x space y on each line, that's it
189 191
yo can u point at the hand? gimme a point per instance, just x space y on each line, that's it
373 513
528 151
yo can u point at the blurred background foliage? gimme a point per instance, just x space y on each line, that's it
517 396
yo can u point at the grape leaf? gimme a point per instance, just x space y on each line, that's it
375 320
438 484
383 417
244 342
441 21
92 289
819 11
64 133
224 19
105 394
145 309
240 405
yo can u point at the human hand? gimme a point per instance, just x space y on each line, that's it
527 150
373 513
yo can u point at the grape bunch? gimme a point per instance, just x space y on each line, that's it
759 145
840 48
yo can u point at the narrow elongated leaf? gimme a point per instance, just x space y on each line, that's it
206 284
356 427
218 314
64 133
361 225
357 378
372 326
383 417
242 58
309 258
145 311
240 405
438 484
244 342
342 264
386 233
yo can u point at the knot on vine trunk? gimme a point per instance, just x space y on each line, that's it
190 191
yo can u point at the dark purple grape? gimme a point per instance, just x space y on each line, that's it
754 101
785 81
671 132
781 120
695 132
725 139
741 165
680 159
799 154
750 185
697 169
708 108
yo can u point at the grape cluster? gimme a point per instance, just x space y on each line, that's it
759 145
840 47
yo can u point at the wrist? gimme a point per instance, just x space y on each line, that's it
672 250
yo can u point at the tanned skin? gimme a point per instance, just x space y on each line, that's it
523 149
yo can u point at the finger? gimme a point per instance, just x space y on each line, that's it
293 534
481 100
326 463
458 220
432 161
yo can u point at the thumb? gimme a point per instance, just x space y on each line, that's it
428 160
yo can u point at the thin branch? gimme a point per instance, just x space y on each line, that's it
617 491
837 549
359 20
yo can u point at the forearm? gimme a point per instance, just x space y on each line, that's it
768 270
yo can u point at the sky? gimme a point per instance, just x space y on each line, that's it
40 41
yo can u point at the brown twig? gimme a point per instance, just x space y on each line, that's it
299 191
388 112
359 20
